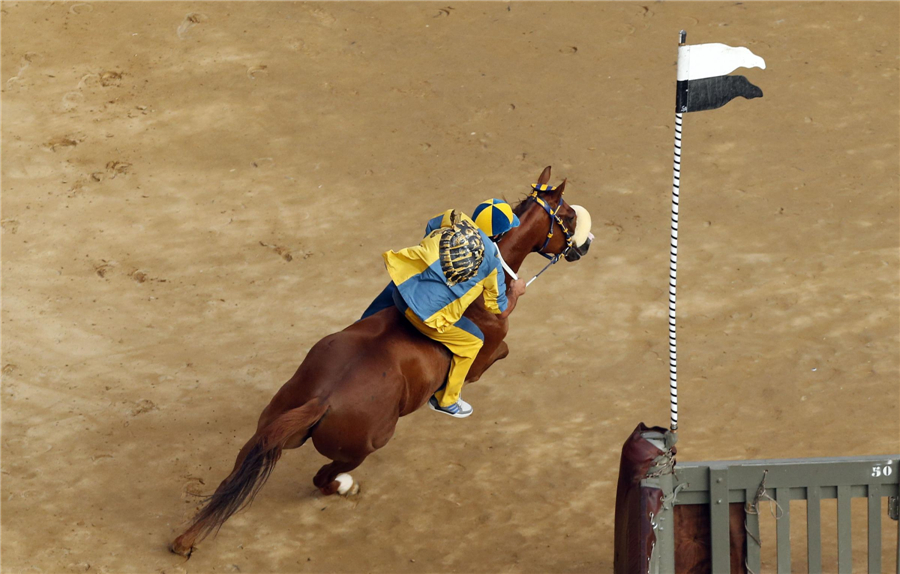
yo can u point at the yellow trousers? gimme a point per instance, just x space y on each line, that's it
462 344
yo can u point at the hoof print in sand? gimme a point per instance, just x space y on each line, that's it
284 252
142 406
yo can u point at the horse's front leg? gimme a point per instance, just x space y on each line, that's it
485 360
494 330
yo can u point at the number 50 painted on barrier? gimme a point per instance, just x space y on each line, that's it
885 470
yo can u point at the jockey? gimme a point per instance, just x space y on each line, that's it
434 282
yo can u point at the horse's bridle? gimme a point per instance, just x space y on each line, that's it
572 252
554 218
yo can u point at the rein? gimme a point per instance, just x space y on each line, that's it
513 274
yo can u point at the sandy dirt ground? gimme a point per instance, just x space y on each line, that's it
193 194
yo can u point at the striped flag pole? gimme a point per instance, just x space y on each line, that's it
673 267
702 84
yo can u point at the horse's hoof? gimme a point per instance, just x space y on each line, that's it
174 548
346 485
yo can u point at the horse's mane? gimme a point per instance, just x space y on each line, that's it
520 207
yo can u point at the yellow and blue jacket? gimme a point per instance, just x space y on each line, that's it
416 271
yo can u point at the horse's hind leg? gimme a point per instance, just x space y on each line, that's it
333 478
347 439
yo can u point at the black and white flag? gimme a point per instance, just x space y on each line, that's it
703 80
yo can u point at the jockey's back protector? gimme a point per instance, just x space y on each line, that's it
461 250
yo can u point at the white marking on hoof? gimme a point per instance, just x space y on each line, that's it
347 486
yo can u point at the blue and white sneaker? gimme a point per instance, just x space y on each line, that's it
460 409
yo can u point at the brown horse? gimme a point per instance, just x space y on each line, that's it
354 385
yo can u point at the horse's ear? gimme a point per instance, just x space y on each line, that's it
544 177
558 191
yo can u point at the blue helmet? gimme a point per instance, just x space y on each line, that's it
494 217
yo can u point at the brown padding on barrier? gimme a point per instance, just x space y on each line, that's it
634 537
693 553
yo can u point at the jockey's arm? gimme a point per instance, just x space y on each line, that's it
514 289
502 303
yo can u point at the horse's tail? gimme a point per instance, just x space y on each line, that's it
241 487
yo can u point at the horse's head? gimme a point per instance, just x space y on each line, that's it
549 225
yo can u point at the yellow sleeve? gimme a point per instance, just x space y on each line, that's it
492 293
405 264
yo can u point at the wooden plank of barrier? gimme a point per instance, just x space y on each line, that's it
820 472
752 525
845 543
813 530
874 529
665 531
783 530
719 519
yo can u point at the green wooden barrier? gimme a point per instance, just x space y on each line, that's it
720 483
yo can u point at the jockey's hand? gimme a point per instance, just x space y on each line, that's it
513 292
517 287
